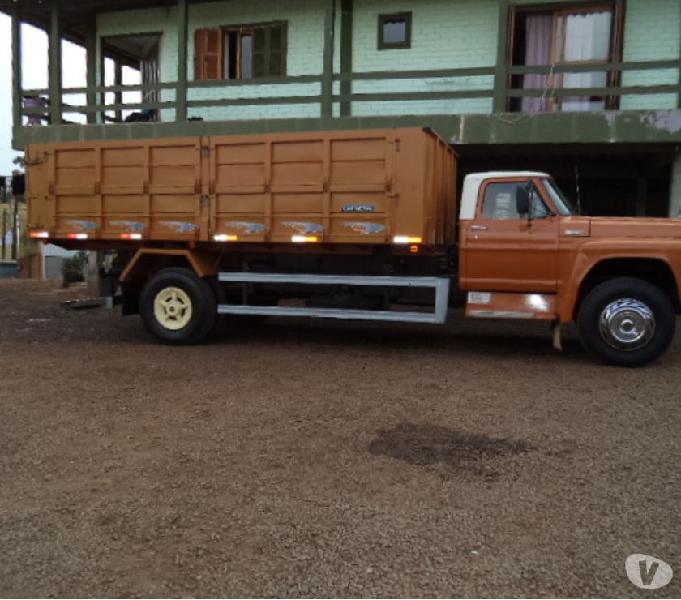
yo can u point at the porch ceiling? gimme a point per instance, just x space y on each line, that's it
76 15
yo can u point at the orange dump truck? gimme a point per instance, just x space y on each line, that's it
351 225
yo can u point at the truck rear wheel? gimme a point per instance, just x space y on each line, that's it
178 307
627 322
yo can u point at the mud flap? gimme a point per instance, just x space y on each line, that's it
557 340
130 299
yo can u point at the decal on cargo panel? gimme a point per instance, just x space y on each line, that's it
129 226
365 228
358 208
304 227
82 225
180 226
246 227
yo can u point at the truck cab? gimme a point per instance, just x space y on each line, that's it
525 253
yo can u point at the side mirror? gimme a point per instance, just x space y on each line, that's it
522 199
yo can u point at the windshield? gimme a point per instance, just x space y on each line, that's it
562 204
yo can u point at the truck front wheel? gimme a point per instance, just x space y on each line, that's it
627 322
178 307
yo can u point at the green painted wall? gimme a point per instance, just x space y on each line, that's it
305 43
652 32
155 20
446 34
305 36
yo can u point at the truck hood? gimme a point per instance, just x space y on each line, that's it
619 227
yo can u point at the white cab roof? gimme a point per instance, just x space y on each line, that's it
471 185
495 174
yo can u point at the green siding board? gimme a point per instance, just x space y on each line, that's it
501 75
55 65
329 7
347 9
182 67
503 128
91 66
652 31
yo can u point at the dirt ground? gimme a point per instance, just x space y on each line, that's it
305 458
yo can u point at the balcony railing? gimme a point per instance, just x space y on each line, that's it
441 91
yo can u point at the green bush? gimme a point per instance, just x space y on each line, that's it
73 269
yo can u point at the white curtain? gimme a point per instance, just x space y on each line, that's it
150 76
587 37
538 41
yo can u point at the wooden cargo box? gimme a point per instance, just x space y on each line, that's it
340 187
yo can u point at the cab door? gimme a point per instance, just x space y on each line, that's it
506 251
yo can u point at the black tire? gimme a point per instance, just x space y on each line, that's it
198 295
626 322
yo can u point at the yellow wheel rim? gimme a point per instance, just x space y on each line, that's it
173 308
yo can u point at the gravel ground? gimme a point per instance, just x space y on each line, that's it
313 459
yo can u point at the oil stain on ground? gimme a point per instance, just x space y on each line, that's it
457 451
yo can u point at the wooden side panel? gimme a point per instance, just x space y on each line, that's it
441 171
299 189
73 191
336 187
116 189
354 187
239 187
362 188
38 177
175 190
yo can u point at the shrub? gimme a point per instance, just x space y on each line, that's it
73 269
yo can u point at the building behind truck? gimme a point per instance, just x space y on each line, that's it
587 90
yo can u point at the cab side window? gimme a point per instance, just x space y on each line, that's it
500 202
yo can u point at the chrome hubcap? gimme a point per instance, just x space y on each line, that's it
173 308
627 324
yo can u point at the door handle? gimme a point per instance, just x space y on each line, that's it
478 227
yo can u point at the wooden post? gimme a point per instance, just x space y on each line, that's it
679 97
55 83
118 80
101 77
182 37
5 207
17 98
91 51
327 69
501 73
346 55
15 227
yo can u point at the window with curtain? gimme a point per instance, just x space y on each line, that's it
243 52
584 38
581 35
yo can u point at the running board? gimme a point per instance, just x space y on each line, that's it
439 284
